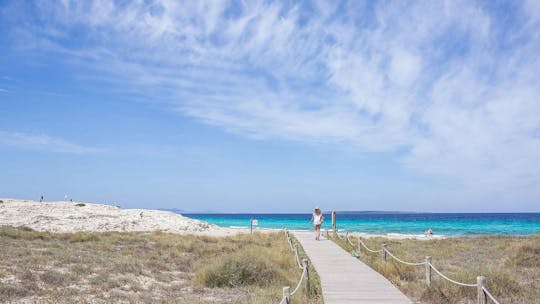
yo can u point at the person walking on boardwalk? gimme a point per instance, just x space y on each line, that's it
317 218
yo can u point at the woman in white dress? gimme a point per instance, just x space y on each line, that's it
317 218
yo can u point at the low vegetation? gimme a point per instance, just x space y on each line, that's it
511 266
80 204
42 267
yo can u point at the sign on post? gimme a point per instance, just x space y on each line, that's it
253 222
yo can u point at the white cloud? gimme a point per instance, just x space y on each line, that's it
447 81
42 142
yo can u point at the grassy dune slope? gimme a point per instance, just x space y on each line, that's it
41 267
511 266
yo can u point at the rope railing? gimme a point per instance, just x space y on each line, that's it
483 293
486 292
349 241
404 262
297 258
367 248
286 299
450 280
299 281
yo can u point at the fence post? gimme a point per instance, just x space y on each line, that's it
334 222
296 250
346 235
326 232
383 247
305 264
481 282
428 271
359 248
287 294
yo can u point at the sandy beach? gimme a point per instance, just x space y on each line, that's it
63 216
397 236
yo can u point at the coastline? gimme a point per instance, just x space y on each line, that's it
61 216
403 225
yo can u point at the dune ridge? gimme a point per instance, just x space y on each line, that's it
65 217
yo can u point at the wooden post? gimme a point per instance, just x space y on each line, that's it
428 271
326 232
289 239
481 282
296 250
359 248
383 247
251 226
287 294
346 235
334 227
305 265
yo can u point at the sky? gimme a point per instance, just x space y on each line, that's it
263 106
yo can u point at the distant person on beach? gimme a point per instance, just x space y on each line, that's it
317 218
41 199
429 232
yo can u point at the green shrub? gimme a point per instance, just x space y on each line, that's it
52 277
8 291
80 204
238 270
23 233
78 237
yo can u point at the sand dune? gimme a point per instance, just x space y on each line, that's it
68 217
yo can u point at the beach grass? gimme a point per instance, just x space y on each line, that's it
89 267
511 265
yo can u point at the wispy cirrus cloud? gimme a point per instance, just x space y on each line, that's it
451 83
41 142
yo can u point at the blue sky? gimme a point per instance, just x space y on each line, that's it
262 106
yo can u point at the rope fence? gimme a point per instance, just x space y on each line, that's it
287 293
405 262
483 293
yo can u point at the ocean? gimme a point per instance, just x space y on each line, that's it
443 224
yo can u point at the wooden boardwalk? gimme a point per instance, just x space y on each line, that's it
345 279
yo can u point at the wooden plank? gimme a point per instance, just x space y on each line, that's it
345 279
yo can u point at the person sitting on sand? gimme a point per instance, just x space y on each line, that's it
317 218
429 232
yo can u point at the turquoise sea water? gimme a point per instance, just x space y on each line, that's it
448 224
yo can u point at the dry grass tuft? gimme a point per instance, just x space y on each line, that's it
527 256
510 265
240 269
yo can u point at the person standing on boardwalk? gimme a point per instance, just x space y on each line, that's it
317 218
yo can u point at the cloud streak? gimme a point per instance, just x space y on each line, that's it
43 143
449 83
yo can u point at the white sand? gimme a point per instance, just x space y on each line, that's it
391 236
397 236
67 217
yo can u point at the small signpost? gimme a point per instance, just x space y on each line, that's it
253 222
334 227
